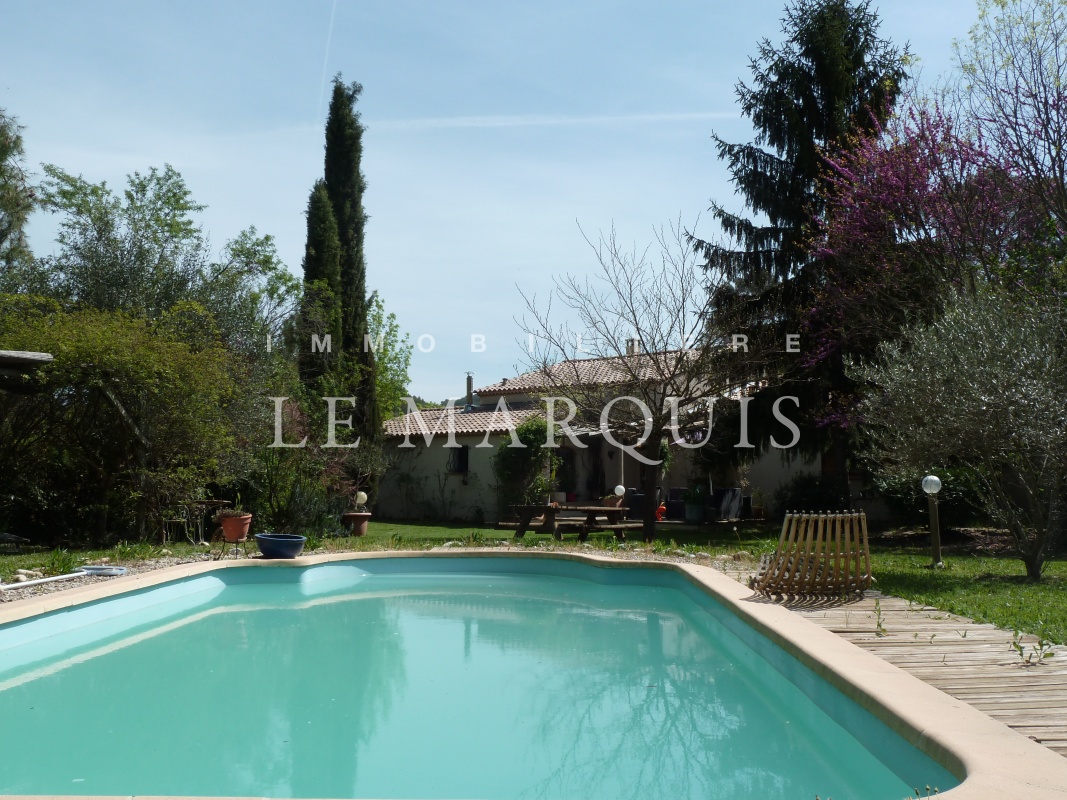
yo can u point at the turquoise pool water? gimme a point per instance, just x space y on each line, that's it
430 678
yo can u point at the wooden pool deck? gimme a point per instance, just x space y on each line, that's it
970 661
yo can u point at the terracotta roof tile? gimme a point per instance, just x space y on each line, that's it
586 372
478 421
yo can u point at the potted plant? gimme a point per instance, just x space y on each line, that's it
614 500
693 497
234 522
359 518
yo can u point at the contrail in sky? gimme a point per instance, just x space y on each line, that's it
538 120
325 61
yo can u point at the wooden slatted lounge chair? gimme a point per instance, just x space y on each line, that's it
818 554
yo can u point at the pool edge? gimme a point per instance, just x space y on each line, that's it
966 741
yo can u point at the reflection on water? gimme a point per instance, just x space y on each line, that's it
243 701
418 685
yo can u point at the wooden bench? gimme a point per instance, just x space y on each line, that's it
818 554
551 522
617 528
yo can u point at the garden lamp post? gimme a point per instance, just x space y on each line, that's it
932 485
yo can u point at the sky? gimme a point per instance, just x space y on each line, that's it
496 133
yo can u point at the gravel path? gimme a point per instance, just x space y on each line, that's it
12 591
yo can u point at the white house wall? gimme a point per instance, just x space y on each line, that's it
421 487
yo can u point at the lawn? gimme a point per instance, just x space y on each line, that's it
978 583
985 588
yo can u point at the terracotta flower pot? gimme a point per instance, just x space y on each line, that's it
235 529
358 520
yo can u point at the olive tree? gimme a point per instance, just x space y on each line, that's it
984 389
143 251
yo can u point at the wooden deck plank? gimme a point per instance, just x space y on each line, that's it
1054 697
973 662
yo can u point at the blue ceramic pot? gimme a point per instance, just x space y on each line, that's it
280 545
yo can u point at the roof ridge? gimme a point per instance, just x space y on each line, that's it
507 383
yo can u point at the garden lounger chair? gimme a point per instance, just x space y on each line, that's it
817 554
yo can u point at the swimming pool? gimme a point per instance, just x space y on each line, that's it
424 677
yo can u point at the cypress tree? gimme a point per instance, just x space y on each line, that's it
832 77
322 255
345 185
321 310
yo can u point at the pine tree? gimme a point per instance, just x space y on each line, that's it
832 77
320 312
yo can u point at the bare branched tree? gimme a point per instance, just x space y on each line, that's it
1014 83
643 355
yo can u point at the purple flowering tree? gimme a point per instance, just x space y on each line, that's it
917 210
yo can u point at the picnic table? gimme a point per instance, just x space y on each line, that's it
553 519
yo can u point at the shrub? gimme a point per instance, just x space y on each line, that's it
809 492
521 471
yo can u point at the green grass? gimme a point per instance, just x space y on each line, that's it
987 588
60 562
984 588
716 539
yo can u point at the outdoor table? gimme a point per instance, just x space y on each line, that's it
201 508
551 523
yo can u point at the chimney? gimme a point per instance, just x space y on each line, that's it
470 391
633 347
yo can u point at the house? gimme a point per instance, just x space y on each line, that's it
442 478
16 366
446 482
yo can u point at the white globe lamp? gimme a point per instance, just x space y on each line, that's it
932 485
